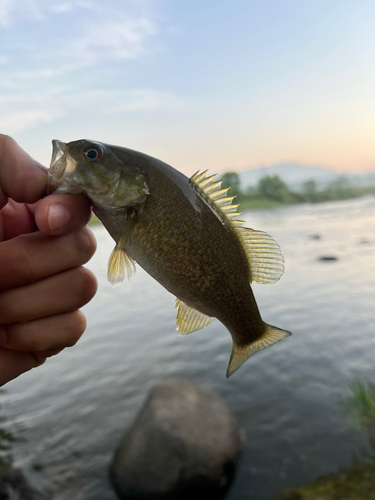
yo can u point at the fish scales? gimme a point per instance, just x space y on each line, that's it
200 263
178 234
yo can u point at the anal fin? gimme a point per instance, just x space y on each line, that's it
240 353
189 319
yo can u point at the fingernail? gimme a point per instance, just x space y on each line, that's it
58 217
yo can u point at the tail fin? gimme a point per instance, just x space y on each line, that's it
240 353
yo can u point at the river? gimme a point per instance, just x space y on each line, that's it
71 412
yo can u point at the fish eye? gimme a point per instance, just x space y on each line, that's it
93 153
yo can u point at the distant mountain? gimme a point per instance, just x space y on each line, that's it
295 175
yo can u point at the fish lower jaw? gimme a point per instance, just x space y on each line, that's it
67 189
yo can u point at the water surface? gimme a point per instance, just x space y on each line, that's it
72 411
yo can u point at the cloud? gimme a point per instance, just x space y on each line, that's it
112 39
53 56
61 8
12 11
85 34
17 121
20 112
145 99
6 8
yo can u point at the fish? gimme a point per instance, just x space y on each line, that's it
185 232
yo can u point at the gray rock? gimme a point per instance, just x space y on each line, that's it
183 444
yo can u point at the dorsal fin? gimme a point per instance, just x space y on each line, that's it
264 256
215 196
263 253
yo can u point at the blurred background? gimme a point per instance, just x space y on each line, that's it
279 98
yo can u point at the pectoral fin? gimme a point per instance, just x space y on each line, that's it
188 319
120 264
240 353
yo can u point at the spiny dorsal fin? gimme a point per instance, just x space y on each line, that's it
263 253
240 354
120 266
216 197
188 319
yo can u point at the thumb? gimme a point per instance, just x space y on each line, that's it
21 178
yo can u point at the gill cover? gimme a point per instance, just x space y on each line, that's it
94 169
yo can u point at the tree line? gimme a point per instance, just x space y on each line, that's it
272 190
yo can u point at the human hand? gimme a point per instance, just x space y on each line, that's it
43 245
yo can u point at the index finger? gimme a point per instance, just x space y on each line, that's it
21 178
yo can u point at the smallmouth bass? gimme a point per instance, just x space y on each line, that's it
185 233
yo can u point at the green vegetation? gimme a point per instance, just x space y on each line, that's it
357 483
359 407
272 191
232 180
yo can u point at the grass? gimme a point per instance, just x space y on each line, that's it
359 407
356 483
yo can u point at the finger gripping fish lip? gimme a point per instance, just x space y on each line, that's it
62 165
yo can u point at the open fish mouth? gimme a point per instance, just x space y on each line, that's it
61 166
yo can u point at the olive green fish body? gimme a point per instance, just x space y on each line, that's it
186 234
182 242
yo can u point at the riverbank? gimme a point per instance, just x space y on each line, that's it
255 202
356 483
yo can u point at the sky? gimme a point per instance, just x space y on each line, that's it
199 84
